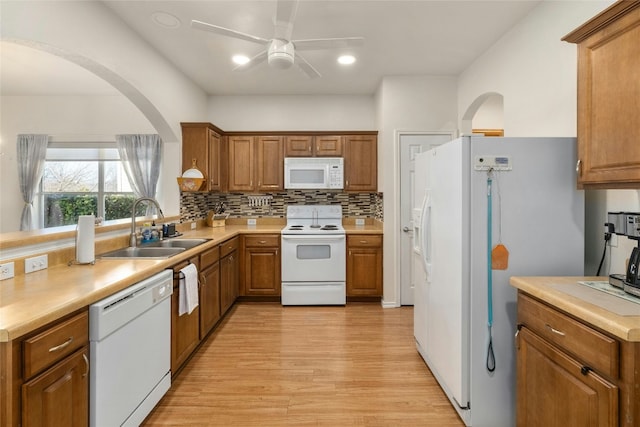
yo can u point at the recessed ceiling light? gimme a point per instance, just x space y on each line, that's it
347 59
165 19
240 59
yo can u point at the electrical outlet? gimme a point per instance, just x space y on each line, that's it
7 270
36 263
359 221
251 221
193 225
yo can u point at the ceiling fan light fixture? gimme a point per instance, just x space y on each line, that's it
281 53
346 59
240 59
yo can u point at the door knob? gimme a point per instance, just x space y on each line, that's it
405 229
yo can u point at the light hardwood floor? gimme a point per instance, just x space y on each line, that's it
268 365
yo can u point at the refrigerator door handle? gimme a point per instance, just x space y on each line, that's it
425 229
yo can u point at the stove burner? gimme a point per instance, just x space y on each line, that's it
315 226
296 227
329 227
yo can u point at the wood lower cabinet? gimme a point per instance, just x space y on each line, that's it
185 329
261 265
60 395
209 290
204 143
364 265
571 374
609 97
360 162
229 266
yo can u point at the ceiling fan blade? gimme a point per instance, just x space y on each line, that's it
227 32
259 58
316 44
285 14
306 68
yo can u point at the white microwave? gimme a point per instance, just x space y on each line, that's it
314 173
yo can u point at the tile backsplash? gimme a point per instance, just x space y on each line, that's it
194 206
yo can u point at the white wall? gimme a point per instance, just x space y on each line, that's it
405 103
536 73
291 113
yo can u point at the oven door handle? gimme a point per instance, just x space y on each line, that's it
315 238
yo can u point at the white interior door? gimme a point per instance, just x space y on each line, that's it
411 143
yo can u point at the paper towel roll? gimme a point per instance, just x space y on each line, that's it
85 239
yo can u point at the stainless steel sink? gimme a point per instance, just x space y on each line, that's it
175 243
143 252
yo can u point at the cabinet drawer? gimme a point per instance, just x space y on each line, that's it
209 257
587 345
229 246
364 240
262 241
55 343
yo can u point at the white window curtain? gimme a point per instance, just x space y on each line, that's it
32 152
141 156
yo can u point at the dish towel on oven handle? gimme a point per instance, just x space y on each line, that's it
188 289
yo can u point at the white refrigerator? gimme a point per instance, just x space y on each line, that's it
536 213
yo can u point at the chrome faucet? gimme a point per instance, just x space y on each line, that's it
133 240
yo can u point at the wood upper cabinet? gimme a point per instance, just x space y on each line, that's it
241 163
256 163
261 265
360 162
609 97
364 265
205 143
313 146
571 374
269 163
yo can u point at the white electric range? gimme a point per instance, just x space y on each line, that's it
314 256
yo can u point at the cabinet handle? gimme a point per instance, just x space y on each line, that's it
578 166
61 346
516 337
86 363
555 331
262 242
364 242
585 370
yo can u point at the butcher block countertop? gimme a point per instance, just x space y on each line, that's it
32 300
617 316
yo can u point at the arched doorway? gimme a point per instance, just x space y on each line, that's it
484 116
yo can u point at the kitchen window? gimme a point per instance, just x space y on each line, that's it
83 179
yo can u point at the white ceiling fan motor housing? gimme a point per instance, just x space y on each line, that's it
281 53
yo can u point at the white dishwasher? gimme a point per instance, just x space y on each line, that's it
130 338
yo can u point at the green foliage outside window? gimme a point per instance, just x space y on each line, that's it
64 209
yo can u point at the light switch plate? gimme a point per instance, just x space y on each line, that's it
359 221
7 270
36 263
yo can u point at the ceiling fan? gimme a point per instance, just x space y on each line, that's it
281 51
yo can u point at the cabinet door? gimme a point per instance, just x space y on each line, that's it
217 161
185 329
361 163
364 271
609 101
328 146
270 163
60 395
262 272
228 281
553 389
298 146
241 163
209 298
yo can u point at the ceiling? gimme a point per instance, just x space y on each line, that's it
401 38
